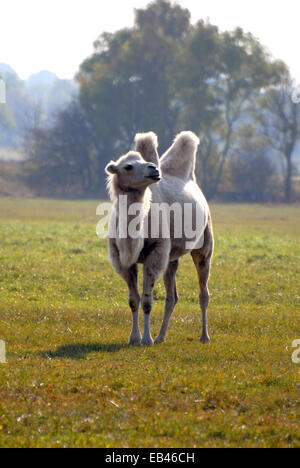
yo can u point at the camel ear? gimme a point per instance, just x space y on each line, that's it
111 168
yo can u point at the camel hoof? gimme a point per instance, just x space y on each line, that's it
205 339
134 341
159 339
147 341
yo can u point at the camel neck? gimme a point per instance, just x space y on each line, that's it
134 195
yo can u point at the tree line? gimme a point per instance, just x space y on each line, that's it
166 74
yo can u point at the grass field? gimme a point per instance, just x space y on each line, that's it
72 381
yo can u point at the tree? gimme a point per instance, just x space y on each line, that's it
163 75
253 174
61 156
129 84
280 122
219 89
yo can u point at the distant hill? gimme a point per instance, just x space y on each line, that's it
6 69
50 92
43 77
40 96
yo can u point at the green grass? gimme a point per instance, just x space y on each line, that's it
71 380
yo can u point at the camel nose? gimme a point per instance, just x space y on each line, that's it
153 172
153 169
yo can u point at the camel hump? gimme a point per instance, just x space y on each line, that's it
146 144
180 159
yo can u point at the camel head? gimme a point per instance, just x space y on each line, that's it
132 172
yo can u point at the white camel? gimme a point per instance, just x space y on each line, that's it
147 180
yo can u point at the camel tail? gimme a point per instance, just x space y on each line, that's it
180 159
146 144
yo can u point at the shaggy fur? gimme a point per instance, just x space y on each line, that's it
147 180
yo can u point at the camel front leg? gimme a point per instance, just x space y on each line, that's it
130 275
131 278
155 264
150 279
171 298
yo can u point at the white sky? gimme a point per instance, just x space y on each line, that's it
57 35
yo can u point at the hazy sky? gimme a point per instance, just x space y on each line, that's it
57 35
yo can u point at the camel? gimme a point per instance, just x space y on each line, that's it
145 180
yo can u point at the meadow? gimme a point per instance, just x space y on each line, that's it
71 380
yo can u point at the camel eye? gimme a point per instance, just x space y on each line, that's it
129 167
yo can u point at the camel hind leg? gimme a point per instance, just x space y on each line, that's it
202 261
171 298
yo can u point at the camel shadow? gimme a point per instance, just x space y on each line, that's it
81 350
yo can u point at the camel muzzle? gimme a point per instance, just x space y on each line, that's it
154 173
